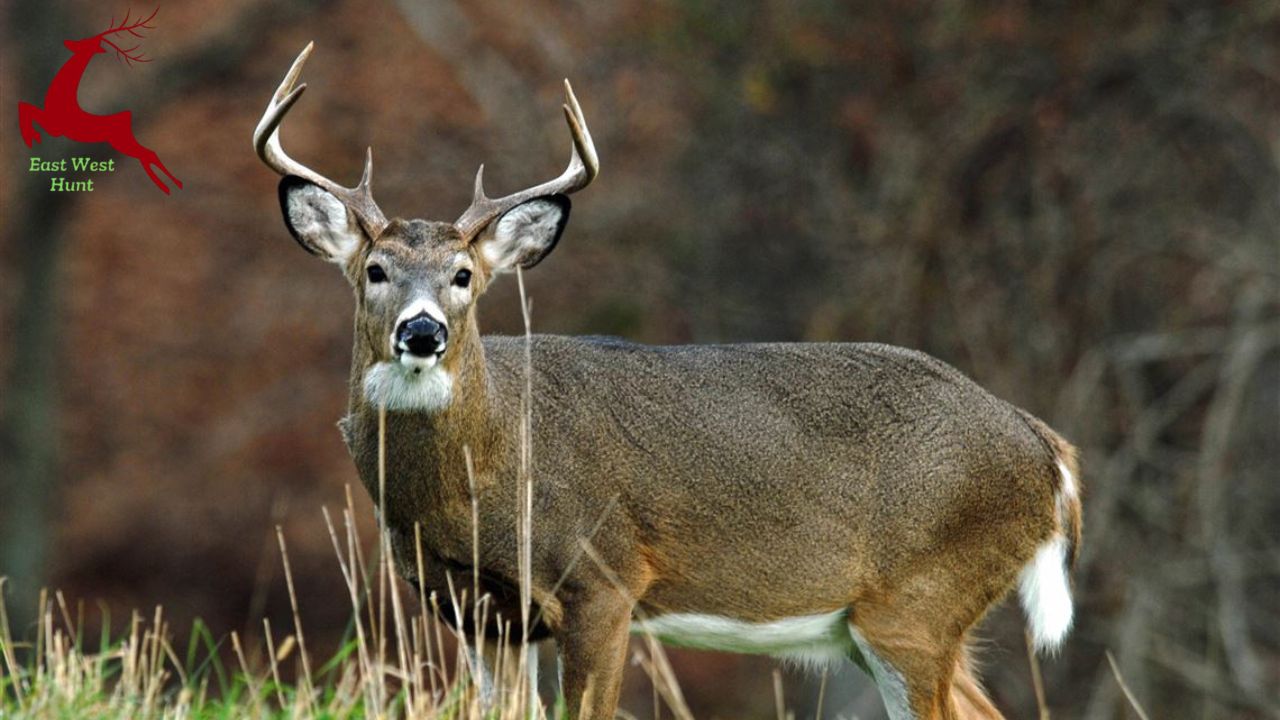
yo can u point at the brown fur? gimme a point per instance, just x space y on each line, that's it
1068 455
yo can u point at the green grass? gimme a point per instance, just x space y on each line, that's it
394 665
143 675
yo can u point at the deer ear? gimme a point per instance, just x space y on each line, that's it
524 234
319 221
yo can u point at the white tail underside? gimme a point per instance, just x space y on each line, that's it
1044 586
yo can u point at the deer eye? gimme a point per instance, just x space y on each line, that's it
376 274
463 278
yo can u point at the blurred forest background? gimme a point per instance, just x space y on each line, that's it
1077 204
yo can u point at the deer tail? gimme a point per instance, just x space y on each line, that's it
1045 583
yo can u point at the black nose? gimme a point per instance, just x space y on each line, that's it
421 336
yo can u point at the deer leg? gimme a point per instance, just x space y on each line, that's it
154 178
120 134
147 158
967 695
531 675
27 115
906 690
156 161
482 674
919 663
495 670
593 642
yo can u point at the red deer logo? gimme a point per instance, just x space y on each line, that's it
62 115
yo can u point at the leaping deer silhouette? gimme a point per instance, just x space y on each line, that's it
62 115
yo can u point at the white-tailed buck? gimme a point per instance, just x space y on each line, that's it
808 501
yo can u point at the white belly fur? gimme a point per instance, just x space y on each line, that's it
809 640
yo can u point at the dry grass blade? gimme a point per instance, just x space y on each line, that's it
779 702
271 659
380 629
361 570
353 589
475 529
1037 681
7 654
423 619
525 510
526 463
173 659
305 691
66 614
255 689
1124 687
822 693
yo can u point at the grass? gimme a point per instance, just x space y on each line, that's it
394 665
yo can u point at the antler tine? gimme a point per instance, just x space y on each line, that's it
582 142
266 141
583 167
124 25
126 54
123 54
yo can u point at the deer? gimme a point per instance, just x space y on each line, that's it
62 116
814 502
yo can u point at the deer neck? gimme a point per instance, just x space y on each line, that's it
65 85
425 466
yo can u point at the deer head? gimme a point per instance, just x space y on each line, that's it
416 281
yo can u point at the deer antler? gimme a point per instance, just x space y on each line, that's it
126 54
266 140
583 167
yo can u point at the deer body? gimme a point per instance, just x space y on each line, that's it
62 116
748 485
844 450
810 501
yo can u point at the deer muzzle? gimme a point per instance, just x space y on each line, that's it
421 336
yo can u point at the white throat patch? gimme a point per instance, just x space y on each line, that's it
408 386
